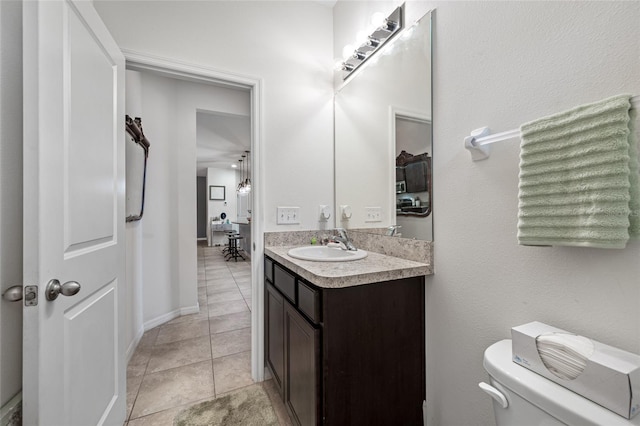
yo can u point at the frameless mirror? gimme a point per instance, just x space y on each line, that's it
383 139
136 154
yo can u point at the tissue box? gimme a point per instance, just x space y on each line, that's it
611 377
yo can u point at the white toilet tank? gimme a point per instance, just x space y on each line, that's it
531 399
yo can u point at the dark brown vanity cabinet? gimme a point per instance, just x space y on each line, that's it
274 331
346 356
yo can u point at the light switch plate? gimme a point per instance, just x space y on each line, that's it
288 215
373 214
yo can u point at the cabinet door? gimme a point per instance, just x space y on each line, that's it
274 313
302 369
416 175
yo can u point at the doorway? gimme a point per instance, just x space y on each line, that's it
194 74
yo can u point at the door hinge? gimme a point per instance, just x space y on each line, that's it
31 295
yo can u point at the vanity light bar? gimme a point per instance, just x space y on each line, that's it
378 38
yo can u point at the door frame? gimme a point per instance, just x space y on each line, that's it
138 61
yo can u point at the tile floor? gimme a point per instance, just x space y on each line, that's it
201 356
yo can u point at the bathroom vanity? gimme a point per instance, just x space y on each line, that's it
345 343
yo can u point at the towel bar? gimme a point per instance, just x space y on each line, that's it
479 141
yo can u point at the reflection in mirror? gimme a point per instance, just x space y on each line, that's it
413 177
383 138
136 153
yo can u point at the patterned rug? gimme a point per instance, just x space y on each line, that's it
247 407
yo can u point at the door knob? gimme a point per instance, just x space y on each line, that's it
54 288
13 294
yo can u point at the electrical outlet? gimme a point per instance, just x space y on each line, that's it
373 214
288 215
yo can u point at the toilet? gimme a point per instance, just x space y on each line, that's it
522 397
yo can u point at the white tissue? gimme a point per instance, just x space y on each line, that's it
565 355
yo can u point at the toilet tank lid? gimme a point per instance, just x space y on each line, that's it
559 402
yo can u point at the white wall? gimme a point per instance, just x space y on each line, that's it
10 196
286 44
134 325
501 64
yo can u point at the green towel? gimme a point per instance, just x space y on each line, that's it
579 181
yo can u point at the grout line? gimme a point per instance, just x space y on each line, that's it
213 373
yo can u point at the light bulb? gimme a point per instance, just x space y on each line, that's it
378 19
347 51
406 34
361 37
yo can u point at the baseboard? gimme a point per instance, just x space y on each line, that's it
190 310
171 315
134 344
148 325
11 412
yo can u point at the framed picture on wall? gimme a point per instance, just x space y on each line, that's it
216 192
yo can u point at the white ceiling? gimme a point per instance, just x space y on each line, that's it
221 139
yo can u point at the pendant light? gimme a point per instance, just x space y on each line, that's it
241 184
247 181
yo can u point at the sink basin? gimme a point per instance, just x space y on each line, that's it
326 254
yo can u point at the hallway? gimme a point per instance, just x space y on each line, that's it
201 356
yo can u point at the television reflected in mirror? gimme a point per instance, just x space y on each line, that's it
383 136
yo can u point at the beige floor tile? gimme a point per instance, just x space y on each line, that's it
162 418
230 322
244 284
221 286
133 385
220 280
224 296
138 362
178 354
149 337
182 331
223 308
246 292
232 372
230 342
202 300
249 301
215 268
174 387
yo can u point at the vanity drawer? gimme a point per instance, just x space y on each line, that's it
268 269
285 282
309 301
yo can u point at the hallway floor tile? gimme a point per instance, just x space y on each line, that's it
197 357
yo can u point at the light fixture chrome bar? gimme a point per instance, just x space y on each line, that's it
375 41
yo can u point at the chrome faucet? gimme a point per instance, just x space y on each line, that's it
393 230
344 239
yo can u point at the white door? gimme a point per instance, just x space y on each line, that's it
74 372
